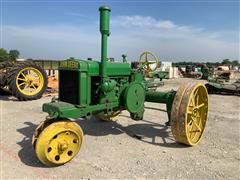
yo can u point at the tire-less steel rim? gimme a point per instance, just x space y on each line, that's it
190 114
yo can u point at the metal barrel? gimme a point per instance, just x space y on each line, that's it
105 32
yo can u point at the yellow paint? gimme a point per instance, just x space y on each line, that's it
58 143
147 65
29 81
189 114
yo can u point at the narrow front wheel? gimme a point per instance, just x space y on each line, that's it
59 143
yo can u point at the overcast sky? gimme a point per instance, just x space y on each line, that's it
173 30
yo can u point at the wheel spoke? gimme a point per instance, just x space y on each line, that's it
23 75
21 79
29 90
195 123
24 87
189 112
146 57
190 122
200 121
33 85
199 106
193 102
197 100
22 83
195 93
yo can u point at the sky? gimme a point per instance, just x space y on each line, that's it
174 30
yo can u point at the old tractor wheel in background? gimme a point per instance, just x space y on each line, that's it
27 81
148 62
189 114
112 117
59 143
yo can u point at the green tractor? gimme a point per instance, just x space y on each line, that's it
104 89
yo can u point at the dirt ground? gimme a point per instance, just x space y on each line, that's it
111 151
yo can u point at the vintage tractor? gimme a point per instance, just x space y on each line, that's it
103 89
23 79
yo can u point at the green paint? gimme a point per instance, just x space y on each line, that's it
104 29
103 87
162 97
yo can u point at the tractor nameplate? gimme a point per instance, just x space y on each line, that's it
69 64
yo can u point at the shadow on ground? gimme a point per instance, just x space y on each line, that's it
27 153
6 96
146 132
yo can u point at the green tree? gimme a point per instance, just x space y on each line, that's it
14 54
226 61
235 63
4 56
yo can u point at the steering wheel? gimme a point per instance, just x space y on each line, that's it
148 62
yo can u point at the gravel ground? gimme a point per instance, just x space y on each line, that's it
111 151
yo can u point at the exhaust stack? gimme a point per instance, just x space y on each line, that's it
105 32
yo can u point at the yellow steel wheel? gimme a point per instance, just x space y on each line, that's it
175 110
58 143
37 131
148 61
29 81
112 117
189 114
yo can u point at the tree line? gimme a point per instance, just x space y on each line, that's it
209 64
12 55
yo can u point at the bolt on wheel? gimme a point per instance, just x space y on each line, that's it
189 114
58 143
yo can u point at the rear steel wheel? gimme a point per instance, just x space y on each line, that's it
58 143
189 114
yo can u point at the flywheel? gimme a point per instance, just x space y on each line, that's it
134 97
189 113
58 143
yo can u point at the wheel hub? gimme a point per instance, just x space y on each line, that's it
62 146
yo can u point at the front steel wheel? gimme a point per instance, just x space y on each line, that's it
58 143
